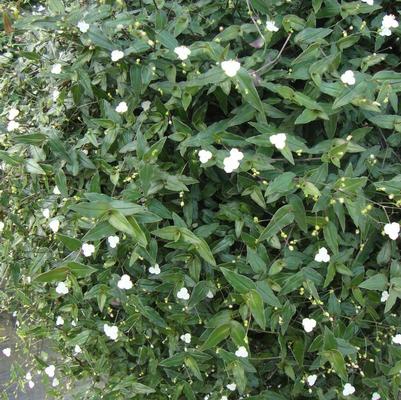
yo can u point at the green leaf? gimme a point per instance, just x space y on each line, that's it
240 283
216 336
375 282
255 303
128 225
282 217
337 362
60 273
299 211
72 244
331 236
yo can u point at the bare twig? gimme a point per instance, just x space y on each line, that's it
263 67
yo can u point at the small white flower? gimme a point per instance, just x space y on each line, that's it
7 352
83 26
369 2
12 126
113 241
241 352
182 52
77 349
271 26
204 156
122 107
396 339
183 294
88 249
46 212
224 397
62 288
155 270
50 370
186 338
376 396
230 164
311 379
55 94
278 140
322 255
1 226
230 67
59 321
56 190
309 324
385 296
73 323
392 230
31 384
56 69
348 77
12 114
231 386
209 294
28 376
55 382
54 225
117 55
348 389
125 282
111 331
388 22
236 154
146 105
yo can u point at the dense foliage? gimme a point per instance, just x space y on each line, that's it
200 199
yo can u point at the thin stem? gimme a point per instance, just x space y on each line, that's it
270 63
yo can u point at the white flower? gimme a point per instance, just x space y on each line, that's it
12 114
186 338
348 77
146 105
278 140
231 386
322 255
111 331
83 26
54 225
348 389
385 296
209 294
230 164
61 288
7 352
31 384
59 321
392 230
241 352
271 26
46 212
309 324
12 126
183 294
55 94
369 2
182 52
236 154
204 156
113 241
73 323
117 55
77 349
88 249
230 67
50 370
125 282
28 376
56 69
122 107
155 270
311 379
396 339
388 22
55 382
224 397
1 226
376 396
56 190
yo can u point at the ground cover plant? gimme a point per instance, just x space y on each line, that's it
200 199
